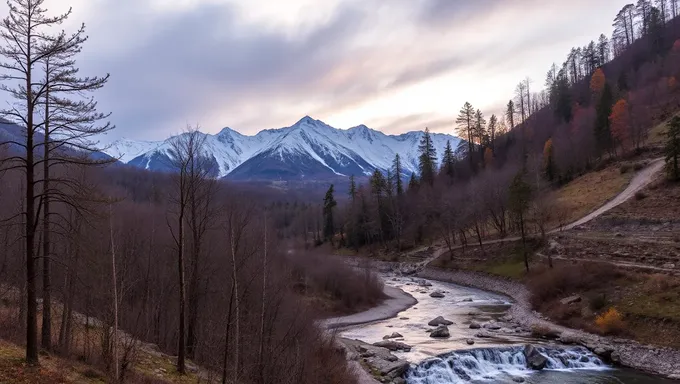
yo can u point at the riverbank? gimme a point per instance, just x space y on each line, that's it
647 358
397 301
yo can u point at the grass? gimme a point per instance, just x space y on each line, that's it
512 269
657 135
590 191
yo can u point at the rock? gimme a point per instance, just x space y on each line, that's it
394 335
535 360
437 294
391 358
569 339
619 234
468 300
483 335
424 283
571 300
399 380
389 369
615 357
669 266
368 354
401 318
393 345
470 342
475 325
518 379
440 332
604 352
492 326
439 320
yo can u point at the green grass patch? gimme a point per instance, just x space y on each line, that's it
664 305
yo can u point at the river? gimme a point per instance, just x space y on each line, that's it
497 353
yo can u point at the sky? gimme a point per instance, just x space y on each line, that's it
394 65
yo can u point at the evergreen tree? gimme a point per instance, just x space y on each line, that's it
492 132
510 114
427 158
560 98
518 205
603 136
448 162
413 183
480 128
672 149
466 128
396 169
328 224
352 189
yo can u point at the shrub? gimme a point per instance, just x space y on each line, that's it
544 331
569 279
638 166
625 168
598 302
639 195
610 322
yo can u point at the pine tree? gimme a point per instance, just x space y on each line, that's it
672 149
397 171
427 158
448 161
352 189
466 127
328 225
510 114
548 160
413 183
603 110
492 131
480 128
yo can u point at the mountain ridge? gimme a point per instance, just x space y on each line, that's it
309 149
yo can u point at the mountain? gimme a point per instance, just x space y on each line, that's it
308 150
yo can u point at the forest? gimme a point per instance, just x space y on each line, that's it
216 273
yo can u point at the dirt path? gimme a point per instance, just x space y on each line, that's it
640 181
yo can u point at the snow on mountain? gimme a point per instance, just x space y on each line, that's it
308 149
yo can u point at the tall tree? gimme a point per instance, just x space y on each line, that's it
480 128
672 149
449 161
603 50
329 204
518 204
623 24
184 154
398 172
353 188
602 122
510 114
492 131
620 124
465 128
427 158
643 10
26 46
548 160
520 92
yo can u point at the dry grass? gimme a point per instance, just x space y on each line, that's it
657 135
590 191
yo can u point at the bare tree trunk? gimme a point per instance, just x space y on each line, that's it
31 290
181 347
227 330
47 285
237 325
115 299
264 299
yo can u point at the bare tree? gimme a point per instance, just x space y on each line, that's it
184 153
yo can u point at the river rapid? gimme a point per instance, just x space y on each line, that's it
490 354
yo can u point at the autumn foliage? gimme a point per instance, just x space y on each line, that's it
620 124
676 46
610 322
598 81
488 157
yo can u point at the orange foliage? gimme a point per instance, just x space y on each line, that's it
610 322
597 82
620 123
488 157
676 46
547 150
672 82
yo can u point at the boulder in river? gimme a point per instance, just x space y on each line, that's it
475 325
437 294
492 326
470 342
535 359
440 332
393 345
394 335
439 320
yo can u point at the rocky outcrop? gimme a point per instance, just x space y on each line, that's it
437 294
571 300
393 345
384 365
394 335
439 320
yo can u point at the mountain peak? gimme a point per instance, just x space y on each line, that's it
305 120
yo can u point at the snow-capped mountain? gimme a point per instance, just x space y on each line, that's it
309 149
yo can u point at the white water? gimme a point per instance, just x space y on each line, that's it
479 365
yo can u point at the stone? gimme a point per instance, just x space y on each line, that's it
483 335
399 380
669 266
394 335
424 283
440 332
492 326
535 360
619 234
615 357
439 320
388 369
437 294
391 358
468 300
475 325
518 379
393 345
571 300
470 342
